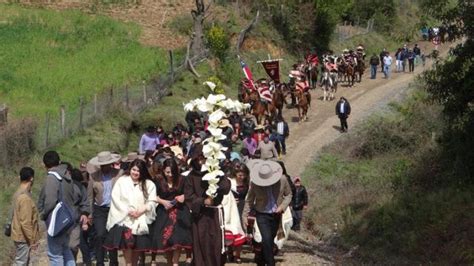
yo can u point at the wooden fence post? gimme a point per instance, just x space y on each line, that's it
111 95
171 66
62 113
46 138
127 99
3 115
95 104
144 94
81 113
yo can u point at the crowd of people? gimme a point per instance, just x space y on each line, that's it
404 57
154 201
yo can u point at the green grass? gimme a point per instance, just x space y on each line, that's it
377 189
49 58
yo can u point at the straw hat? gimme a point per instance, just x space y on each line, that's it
264 173
103 158
224 123
258 127
132 156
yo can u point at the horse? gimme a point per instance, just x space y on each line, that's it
303 103
350 74
279 97
329 85
359 68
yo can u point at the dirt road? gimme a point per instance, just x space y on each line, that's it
307 138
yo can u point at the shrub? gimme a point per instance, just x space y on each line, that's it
17 141
218 41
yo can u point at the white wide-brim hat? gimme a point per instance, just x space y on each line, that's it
103 158
264 173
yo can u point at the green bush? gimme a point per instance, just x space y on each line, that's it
218 41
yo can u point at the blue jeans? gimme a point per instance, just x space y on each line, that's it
281 140
386 71
59 252
373 71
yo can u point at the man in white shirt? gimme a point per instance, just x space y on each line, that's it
387 62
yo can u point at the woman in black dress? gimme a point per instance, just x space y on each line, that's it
239 186
172 228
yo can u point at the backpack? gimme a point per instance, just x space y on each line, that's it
62 217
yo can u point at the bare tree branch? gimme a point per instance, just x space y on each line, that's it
246 30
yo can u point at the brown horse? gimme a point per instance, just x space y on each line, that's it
303 102
350 74
279 98
359 68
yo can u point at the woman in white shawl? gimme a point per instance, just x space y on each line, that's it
131 210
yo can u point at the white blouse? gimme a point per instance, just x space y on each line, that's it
127 196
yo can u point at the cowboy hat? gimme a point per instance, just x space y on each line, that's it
103 158
224 123
264 173
258 127
132 156
345 50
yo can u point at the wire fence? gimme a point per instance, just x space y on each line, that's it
70 120
348 30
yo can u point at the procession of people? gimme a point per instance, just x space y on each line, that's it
154 201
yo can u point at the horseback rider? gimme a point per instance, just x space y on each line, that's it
360 51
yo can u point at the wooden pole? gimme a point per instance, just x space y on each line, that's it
144 93
81 113
171 66
111 95
46 138
62 114
127 100
95 104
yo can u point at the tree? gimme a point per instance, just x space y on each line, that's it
451 83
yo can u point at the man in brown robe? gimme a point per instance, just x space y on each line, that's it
206 227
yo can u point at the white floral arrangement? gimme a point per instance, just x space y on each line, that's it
215 106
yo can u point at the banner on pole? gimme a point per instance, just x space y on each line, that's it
272 67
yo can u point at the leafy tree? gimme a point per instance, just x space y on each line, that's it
451 84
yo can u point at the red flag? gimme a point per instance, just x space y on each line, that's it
247 72
273 69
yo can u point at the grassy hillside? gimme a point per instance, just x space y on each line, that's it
55 57
376 190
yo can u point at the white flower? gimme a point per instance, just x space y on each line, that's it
215 98
210 84
189 106
216 116
203 105
212 190
212 175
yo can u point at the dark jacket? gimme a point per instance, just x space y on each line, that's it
300 198
347 109
417 50
49 194
374 60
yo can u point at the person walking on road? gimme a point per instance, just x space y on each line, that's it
374 62
411 61
25 229
269 195
387 62
343 110
382 55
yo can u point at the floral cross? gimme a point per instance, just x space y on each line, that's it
215 105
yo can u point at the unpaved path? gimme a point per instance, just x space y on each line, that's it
305 141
